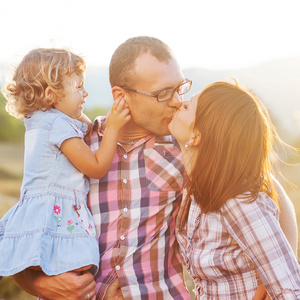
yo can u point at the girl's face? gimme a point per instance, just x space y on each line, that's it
182 124
75 94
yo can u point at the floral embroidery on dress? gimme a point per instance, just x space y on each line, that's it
70 226
76 209
57 218
57 209
70 223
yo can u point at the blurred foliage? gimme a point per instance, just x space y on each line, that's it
95 112
11 129
9 291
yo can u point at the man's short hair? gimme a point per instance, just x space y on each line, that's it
121 68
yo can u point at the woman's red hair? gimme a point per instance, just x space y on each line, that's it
233 155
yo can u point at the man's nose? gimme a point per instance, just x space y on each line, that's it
176 101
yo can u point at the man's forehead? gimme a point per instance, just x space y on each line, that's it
147 61
149 71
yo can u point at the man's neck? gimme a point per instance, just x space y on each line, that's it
132 133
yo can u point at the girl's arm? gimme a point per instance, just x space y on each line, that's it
96 165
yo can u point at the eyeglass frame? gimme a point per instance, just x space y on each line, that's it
156 94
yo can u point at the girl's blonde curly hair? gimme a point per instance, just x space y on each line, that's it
39 69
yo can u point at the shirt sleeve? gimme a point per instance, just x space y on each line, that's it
95 136
255 228
65 128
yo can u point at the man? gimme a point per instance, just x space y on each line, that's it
135 204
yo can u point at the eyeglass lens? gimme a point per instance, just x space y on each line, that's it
169 93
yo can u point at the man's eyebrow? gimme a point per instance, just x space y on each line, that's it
169 88
166 88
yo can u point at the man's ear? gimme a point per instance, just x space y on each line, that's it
118 92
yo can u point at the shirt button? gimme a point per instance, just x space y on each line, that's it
125 209
118 267
122 237
125 156
124 180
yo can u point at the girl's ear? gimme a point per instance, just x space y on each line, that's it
48 92
50 95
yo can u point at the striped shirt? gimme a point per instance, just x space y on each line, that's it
134 207
230 252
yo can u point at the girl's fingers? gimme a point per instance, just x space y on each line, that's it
120 105
125 111
116 102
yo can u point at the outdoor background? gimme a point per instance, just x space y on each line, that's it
255 41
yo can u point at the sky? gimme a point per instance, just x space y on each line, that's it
211 34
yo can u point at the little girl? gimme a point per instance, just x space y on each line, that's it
227 227
51 228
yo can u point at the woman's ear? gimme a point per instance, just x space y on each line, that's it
195 138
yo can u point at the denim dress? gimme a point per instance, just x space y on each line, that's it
50 226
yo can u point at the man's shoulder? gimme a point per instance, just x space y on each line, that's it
96 133
98 123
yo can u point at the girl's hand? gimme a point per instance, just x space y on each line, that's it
118 115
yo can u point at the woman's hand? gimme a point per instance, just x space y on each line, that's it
261 293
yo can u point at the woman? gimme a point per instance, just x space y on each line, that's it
228 228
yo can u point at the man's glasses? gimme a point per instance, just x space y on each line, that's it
167 94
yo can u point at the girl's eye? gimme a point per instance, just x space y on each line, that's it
80 86
185 106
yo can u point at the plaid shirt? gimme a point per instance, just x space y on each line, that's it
134 207
230 252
